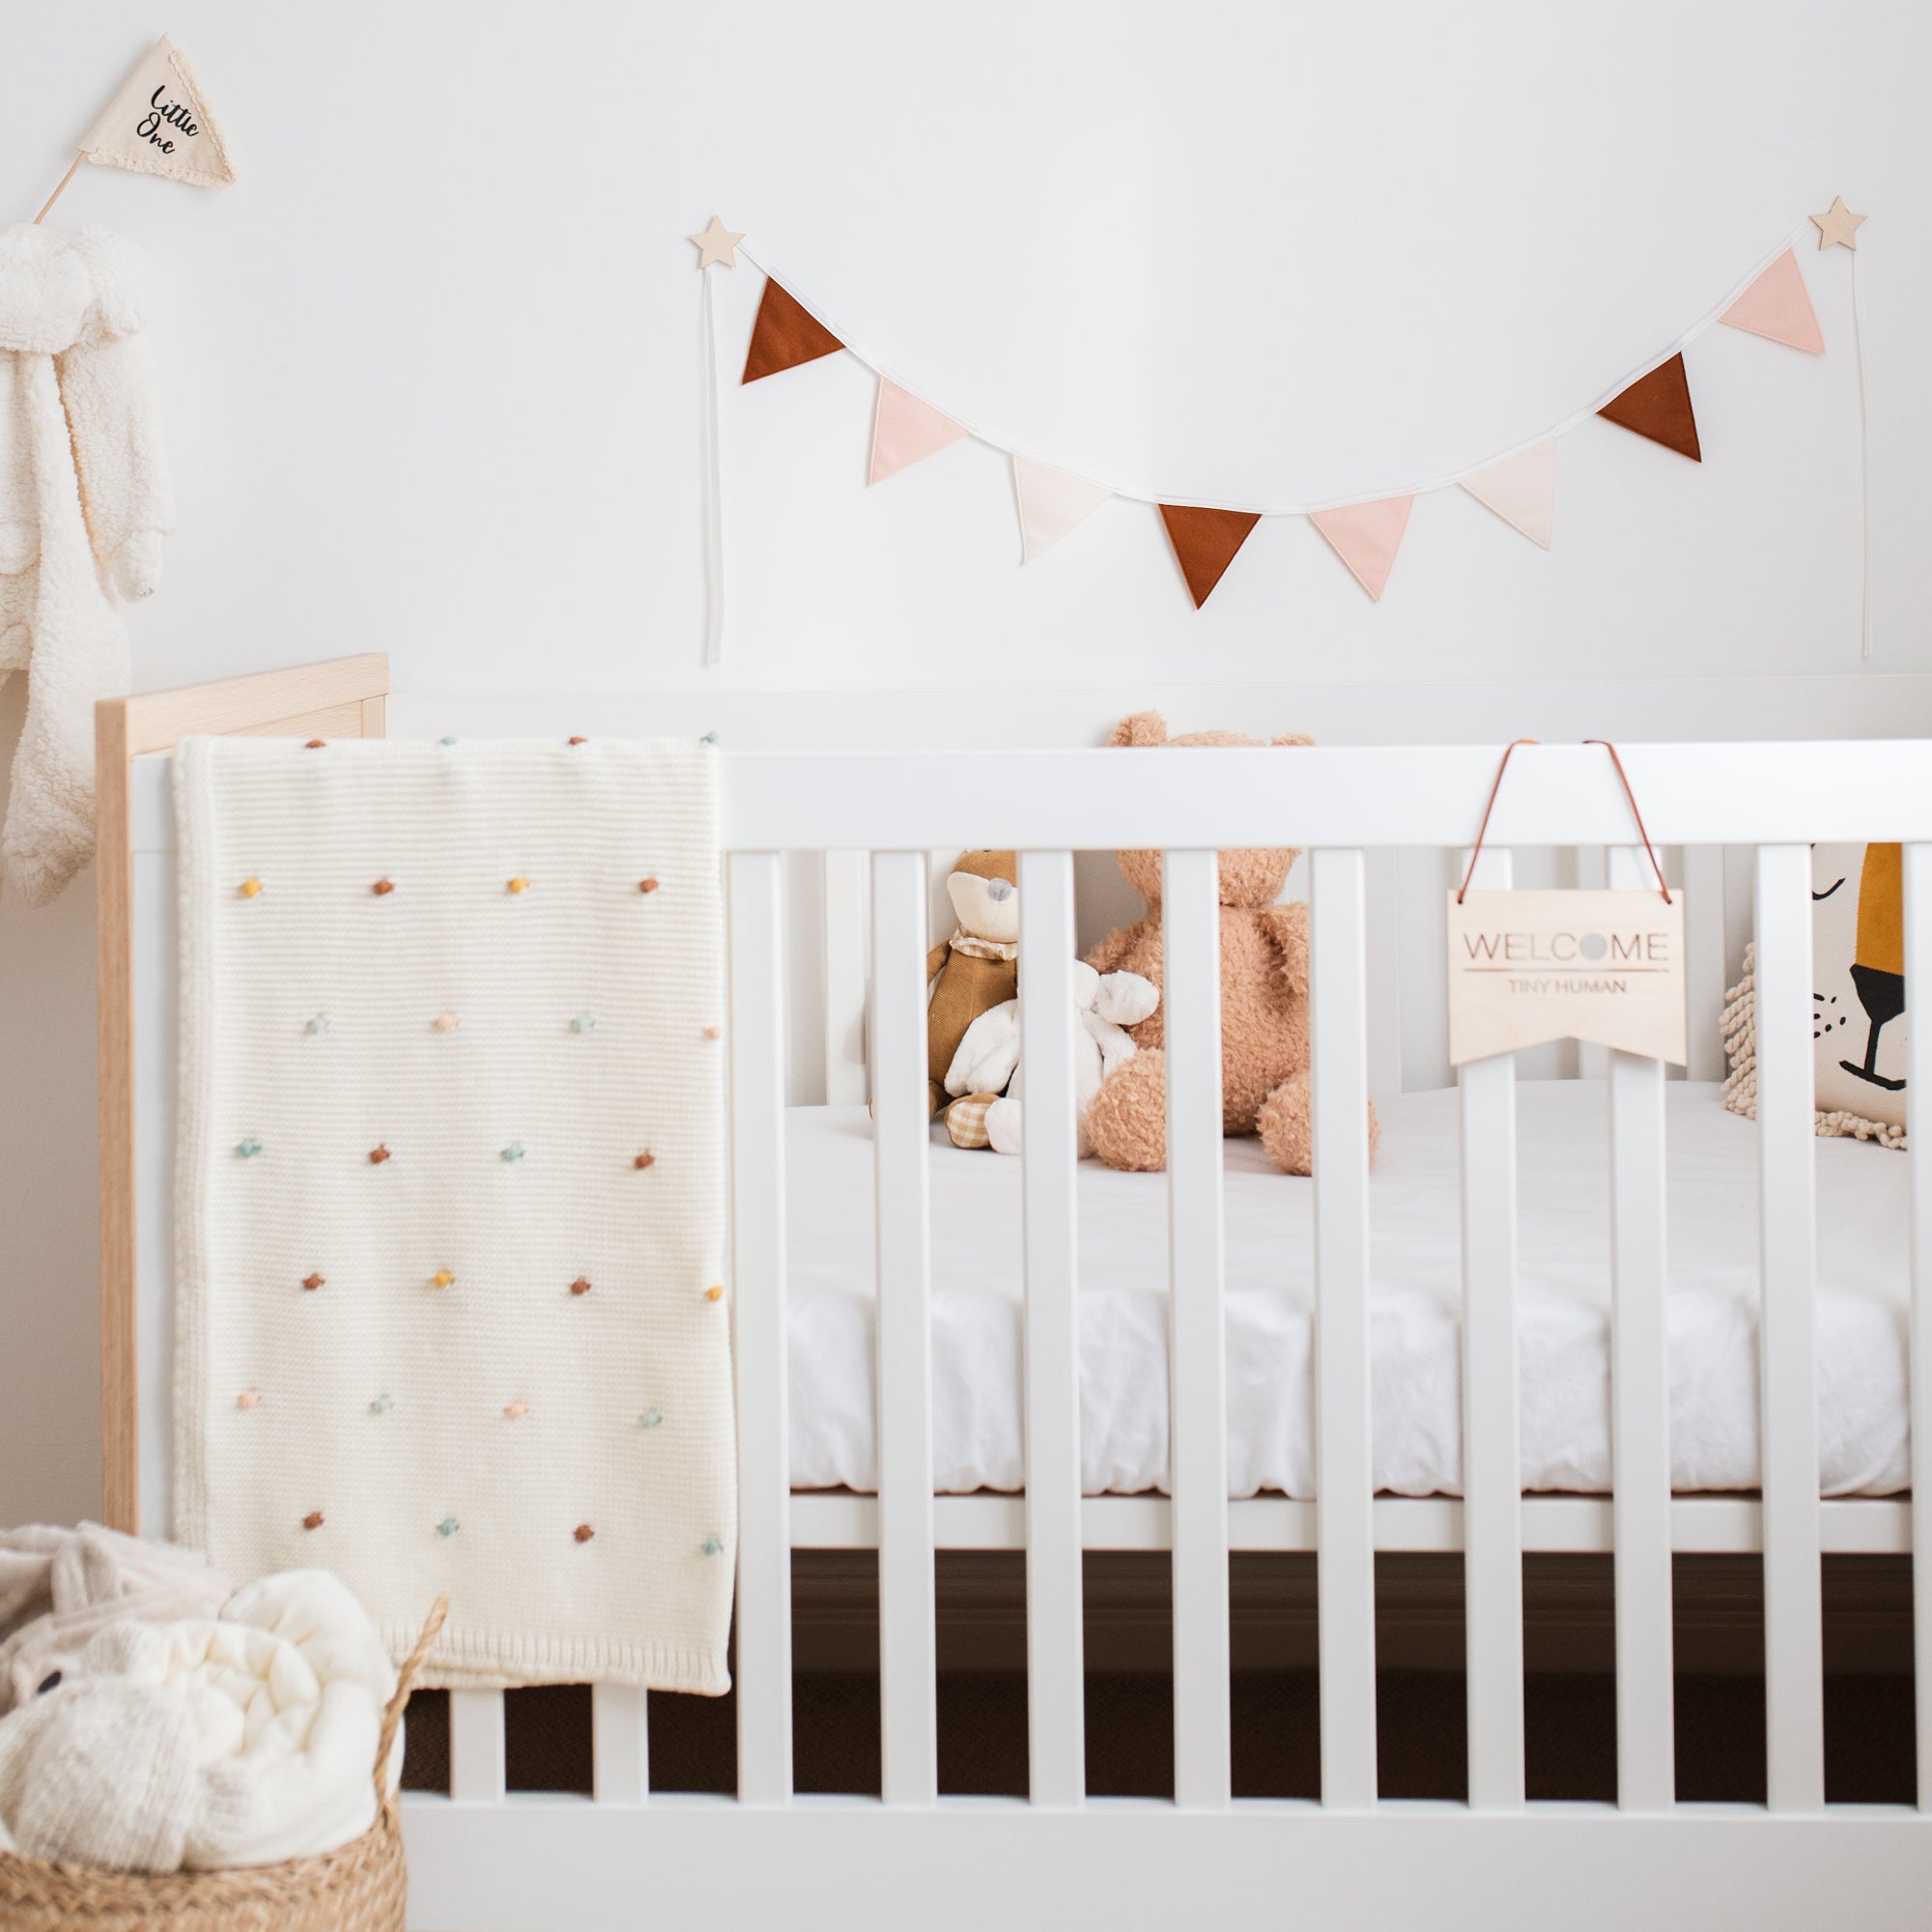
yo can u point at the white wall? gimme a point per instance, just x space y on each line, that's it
431 384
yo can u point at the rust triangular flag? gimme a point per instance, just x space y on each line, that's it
1204 543
159 124
785 336
1778 305
1658 406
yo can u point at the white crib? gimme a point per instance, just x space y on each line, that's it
483 1858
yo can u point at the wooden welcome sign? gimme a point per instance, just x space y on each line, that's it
1601 966
1606 967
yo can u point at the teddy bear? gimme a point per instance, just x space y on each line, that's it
987 1072
1264 1081
977 967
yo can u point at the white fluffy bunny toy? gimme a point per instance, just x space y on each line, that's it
986 1071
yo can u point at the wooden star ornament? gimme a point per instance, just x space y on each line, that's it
1838 226
715 244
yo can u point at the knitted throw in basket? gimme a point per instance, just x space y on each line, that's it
361 1887
450 1182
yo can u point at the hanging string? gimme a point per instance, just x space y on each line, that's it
1865 468
880 367
713 506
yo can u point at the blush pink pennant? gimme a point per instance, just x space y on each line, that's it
1366 537
1778 305
1052 501
906 431
1522 489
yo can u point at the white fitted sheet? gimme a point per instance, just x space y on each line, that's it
1563 1299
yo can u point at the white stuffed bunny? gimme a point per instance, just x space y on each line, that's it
988 1059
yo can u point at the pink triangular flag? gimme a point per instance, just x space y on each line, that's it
1366 537
1779 305
1052 501
1522 489
906 431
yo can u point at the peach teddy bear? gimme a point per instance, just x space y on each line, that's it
1265 1083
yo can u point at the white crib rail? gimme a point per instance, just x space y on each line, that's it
1056 1683
1344 1440
1492 1460
1640 1414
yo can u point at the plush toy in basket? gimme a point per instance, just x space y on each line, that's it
362 1885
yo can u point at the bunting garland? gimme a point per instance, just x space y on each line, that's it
1518 486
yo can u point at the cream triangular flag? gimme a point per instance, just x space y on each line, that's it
159 124
1052 501
1522 489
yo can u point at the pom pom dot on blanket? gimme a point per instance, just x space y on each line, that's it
583 1023
648 885
248 1148
714 1031
579 1286
448 1526
447 1022
517 884
383 888
442 1278
381 1406
313 1519
650 1419
312 1282
515 1411
583 1532
315 744
378 1155
514 1151
714 1294
579 741
711 1546
319 1024
252 888
249 1399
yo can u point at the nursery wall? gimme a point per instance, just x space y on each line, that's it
431 378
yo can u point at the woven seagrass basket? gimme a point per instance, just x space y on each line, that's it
361 1887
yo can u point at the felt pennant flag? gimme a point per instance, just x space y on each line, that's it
1204 543
785 336
1658 406
1366 537
1778 306
1052 501
1522 489
159 124
906 431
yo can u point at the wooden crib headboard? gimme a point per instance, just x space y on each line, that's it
342 698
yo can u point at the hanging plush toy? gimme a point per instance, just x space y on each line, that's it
83 507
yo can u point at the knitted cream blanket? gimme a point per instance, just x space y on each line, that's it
450 1194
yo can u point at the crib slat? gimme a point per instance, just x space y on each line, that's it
1708 966
621 1754
476 1771
908 1690
1492 1459
1056 1688
1640 1435
1198 1439
1917 870
1343 1446
756 1034
1793 1614
844 964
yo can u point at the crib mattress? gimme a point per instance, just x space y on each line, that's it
1563 1301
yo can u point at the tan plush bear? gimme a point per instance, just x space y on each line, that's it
978 966
1264 1086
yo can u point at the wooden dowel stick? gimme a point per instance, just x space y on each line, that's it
61 190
